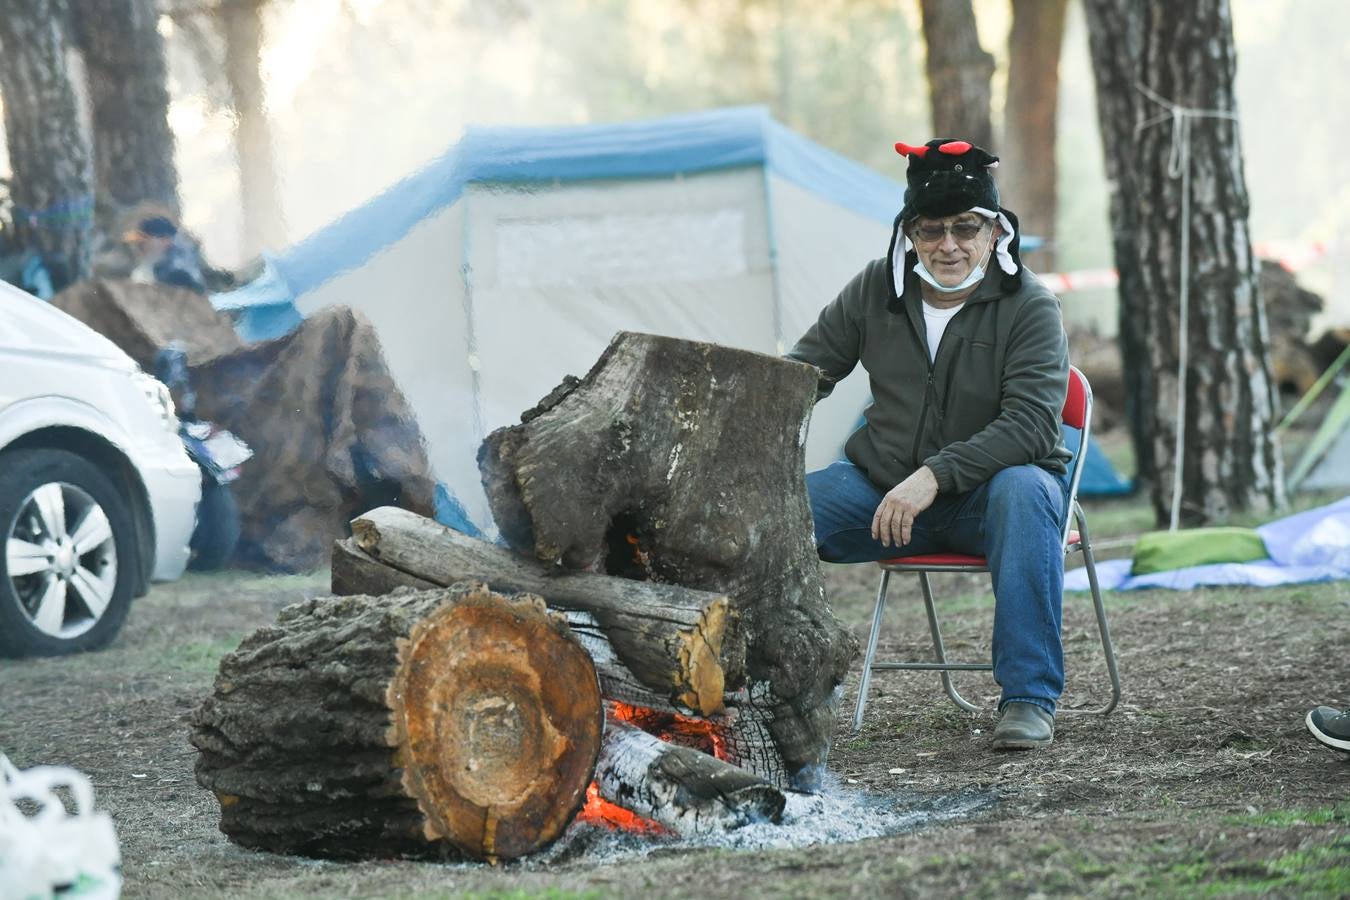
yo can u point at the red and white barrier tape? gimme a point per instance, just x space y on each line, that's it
1293 255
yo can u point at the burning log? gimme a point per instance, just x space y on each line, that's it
434 723
655 644
685 791
696 453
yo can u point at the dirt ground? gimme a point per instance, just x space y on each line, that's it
1203 782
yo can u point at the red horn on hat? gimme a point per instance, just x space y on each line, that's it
955 148
906 150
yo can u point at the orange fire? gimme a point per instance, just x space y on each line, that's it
674 728
599 811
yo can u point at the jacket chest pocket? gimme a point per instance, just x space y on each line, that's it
973 389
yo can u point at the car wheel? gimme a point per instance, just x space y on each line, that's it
69 564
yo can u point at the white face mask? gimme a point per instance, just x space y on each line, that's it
975 277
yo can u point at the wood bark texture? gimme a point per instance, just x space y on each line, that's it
356 572
682 463
127 81
1230 461
1116 39
52 189
680 788
680 643
1028 171
434 723
958 70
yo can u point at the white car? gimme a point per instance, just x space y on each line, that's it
97 495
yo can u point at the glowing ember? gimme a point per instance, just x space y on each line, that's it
642 558
673 728
599 811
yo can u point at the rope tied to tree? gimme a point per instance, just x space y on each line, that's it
1179 165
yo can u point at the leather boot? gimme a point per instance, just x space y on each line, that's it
1023 726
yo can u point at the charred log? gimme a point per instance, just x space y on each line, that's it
695 452
680 788
436 723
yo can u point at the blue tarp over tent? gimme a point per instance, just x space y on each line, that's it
695 142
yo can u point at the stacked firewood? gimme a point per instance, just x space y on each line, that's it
656 631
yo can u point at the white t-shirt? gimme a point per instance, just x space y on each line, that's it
936 320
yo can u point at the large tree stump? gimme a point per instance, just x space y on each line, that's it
683 462
440 722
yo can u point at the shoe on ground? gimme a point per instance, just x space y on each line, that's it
1331 726
1023 726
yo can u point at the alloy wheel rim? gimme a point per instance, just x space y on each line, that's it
61 560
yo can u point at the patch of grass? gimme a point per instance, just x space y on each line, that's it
1315 871
1285 818
551 893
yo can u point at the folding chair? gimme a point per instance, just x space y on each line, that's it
1077 415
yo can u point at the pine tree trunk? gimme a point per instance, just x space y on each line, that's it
432 723
53 181
129 99
242 30
683 462
1116 39
1230 458
959 70
1028 173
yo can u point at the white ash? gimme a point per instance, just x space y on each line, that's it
835 815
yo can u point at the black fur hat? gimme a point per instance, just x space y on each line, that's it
947 177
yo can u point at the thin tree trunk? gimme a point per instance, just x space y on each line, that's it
959 70
129 99
1116 38
1028 174
242 30
1230 460
53 181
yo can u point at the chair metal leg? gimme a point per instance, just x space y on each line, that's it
866 680
938 649
1108 648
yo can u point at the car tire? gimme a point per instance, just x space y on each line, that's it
69 562
217 532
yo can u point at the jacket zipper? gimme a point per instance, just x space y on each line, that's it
923 420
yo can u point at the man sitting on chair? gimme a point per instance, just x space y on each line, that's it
961 449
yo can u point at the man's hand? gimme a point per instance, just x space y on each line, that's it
895 516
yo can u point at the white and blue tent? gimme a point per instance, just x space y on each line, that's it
512 260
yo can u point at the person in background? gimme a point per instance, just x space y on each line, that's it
161 257
961 448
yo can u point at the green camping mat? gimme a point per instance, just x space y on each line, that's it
1162 551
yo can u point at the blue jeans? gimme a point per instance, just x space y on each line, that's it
1014 519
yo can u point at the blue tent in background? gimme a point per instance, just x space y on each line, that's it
511 260
1100 478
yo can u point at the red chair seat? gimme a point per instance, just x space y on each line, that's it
947 559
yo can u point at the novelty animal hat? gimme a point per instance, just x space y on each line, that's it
947 177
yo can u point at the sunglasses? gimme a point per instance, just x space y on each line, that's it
932 232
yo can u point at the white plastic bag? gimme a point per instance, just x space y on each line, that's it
50 849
